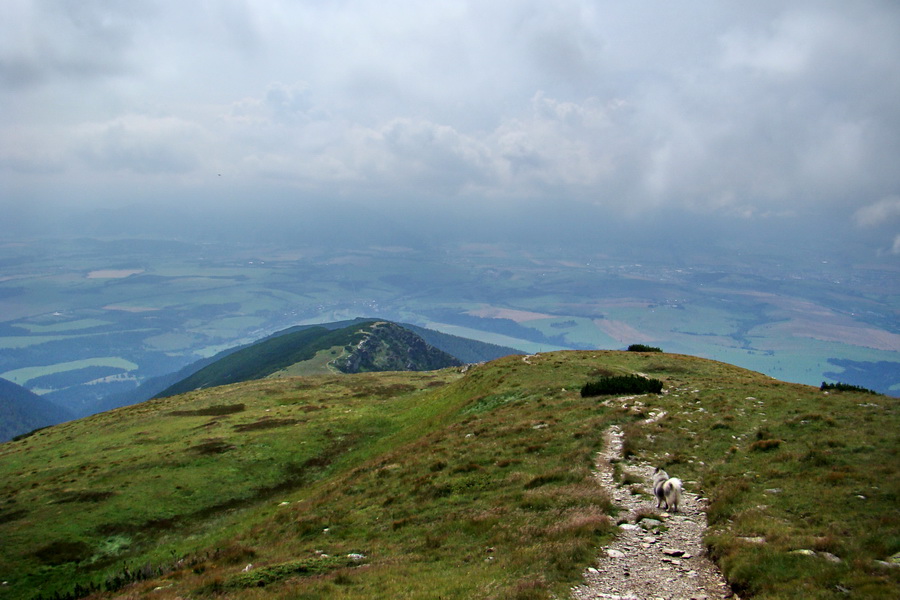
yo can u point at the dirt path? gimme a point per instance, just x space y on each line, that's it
649 561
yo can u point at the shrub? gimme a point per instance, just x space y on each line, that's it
844 387
211 411
63 551
643 348
764 445
621 384
263 576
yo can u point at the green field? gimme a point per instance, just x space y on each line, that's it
24 375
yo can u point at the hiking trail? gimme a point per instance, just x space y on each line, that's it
654 558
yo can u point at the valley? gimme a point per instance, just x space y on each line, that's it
77 337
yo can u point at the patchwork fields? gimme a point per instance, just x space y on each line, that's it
86 318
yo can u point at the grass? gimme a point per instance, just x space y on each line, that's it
793 465
449 485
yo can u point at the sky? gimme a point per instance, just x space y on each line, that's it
764 112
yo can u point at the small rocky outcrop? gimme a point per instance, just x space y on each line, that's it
390 347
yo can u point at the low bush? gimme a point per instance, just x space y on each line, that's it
844 387
764 445
211 411
621 384
263 576
643 348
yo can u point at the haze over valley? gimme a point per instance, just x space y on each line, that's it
176 180
87 318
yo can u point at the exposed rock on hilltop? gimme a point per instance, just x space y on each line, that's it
367 346
389 347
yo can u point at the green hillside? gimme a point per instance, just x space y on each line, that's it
461 483
22 411
361 346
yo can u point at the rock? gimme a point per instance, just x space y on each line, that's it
773 491
355 556
803 552
615 554
672 551
830 557
247 568
628 527
752 540
650 523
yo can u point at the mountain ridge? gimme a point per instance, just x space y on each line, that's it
470 482
465 349
364 345
22 411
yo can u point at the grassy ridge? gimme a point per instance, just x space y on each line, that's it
266 357
797 478
448 485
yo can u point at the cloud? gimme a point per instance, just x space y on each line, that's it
758 111
140 144
72 40
879 213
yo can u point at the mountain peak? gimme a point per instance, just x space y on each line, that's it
386 346
361 346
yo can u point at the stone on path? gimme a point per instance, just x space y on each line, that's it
651 558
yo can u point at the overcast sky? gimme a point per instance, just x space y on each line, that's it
749 110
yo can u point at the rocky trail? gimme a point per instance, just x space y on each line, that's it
650 558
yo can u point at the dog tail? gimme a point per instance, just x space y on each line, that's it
672 489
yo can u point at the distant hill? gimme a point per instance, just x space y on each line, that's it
22 411
362 346
465 349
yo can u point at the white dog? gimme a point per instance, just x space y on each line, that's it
666 489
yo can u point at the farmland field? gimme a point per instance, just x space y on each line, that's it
150 307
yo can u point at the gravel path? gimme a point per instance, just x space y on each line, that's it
651 560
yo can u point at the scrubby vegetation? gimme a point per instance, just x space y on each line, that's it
621 384
643 348
844 387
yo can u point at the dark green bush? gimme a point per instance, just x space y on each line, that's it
643 348
844 387
621 384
